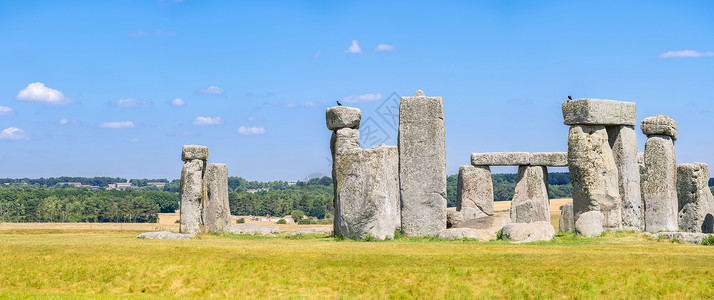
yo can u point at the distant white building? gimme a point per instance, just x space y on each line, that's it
292 182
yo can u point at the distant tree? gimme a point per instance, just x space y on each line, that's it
297 215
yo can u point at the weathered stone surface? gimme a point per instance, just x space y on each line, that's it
216 211
254 229
422 165
696 203
643 171
594 175
589 224
660 185
191 193
599 112
457 233
566 223
528 232
474 192
549 159
530 199
623 141
344 139
453 218
368 193
190 152
684 237
313 230
486 228
501 159
339 117
165 235
659 125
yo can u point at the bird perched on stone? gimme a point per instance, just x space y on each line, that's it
339 104
570 98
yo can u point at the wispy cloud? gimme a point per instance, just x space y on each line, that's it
354 48
254 119
14 133
117 125
65 121
5 111
178 102
212 90
310 104
157 32
317 54
384 48
204 121
685 53
251 130
38 92
131 102
362 98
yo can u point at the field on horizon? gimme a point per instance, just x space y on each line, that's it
69 263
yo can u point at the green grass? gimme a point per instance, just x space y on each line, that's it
69 264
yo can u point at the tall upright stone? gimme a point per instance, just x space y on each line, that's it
216 211
422 165
623 141
192 189
696 203
660 180
474 192
344 122
566 222
530 199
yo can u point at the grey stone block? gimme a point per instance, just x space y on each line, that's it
216 210
190 152
501 159
528 232
191 196
339 117
659 125
599 112
530 199
549 159
660 185
623 141
696 203
474 192
589 224
566 222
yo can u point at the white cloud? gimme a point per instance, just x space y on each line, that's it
132 102
203 121
251 130
178 102
685 53
212 90
4 111
254 119
120 124
135 140
65 121
310 104
14 133
384 47
362 98
354 48
317 54
38 92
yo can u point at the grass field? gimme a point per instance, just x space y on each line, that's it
71 263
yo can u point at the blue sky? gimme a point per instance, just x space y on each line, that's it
89 88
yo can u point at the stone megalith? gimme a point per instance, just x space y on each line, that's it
623 141
660 180
344 122
594 175
589 224
192 189
696 203
530 199
566 222
367 193
339 117
216 211
474 192
422 165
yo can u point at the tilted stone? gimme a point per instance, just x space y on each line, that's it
474 192
528 232
165 235
367 193
530 199
566 222
599 112
501 159
659 125
589 224
216 211
486 227
339 117
190 152
660 185
191 195
696 203
594 174
422 165
549 159
254 229
684 237
623 141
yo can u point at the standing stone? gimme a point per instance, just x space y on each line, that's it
566 223
623 141
474 192
216 211
367 193
593 173
422 165
660 180
530 200
344 139
192 189
643 171
344 121
696 203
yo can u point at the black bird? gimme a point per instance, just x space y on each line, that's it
339 104
570 98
